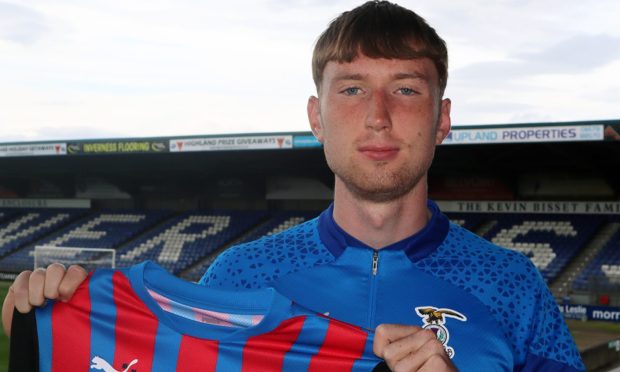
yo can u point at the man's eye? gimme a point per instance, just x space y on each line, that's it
351 91
407 91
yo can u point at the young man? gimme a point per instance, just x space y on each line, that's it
383 256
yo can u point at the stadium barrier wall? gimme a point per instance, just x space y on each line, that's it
601 356
8 276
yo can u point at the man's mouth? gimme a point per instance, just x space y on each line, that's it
379 152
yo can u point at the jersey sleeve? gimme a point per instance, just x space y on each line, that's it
551 346
24 344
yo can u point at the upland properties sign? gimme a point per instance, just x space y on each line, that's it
525 134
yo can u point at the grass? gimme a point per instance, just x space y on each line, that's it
607 327
4 341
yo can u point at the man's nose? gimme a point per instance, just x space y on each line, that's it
378 117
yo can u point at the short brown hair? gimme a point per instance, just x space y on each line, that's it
379 29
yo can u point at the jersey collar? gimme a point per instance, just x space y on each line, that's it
266 302
416 247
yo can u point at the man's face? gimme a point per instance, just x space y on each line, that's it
379 121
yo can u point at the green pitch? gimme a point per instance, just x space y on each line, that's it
592 333
4 341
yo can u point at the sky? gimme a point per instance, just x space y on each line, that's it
75 69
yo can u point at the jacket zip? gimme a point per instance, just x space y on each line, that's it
373 288
375 263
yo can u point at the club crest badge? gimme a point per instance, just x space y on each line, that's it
434 319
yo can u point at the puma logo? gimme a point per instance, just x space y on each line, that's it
99 363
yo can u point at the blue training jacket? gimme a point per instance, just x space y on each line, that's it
488 305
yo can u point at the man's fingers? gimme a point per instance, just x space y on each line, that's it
386 334
36 285
53 277
410 352
74 276
7 311
426 354
438 362
20 292
410 348
60 283
32 288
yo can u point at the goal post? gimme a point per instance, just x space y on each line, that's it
88 258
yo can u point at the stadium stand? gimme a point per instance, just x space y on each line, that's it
105 229
604 270
185 239
7 214
279 221
470 221
187 244
25 227
550 241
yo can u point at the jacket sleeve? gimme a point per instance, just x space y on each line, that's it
551 346
218 273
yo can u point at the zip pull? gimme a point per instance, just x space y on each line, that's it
375 262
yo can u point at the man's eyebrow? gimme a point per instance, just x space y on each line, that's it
346 76
397 76
410 75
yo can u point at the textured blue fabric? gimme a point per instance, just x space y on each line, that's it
263 261
416 247
512 288
511 317
534 363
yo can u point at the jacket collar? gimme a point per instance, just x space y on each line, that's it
416 247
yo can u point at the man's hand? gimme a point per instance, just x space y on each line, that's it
32 288
410 348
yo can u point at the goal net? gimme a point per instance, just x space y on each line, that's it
88 258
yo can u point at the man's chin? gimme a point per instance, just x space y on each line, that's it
378 194
378 185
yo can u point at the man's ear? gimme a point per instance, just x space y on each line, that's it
444 123
314 117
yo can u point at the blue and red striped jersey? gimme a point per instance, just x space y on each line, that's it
143 319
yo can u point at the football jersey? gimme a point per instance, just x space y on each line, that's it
144 319
489 306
